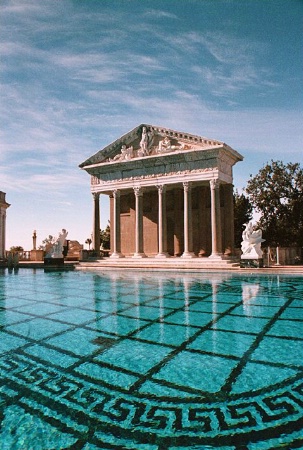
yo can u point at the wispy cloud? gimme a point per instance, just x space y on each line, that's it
159 14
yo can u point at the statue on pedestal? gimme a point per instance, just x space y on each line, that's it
56 250
251 243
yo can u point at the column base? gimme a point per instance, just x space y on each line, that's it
217 256
188 255
162 255
117 255
139 255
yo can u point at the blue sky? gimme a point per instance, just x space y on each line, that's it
76 75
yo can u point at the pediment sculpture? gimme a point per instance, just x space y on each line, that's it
150 144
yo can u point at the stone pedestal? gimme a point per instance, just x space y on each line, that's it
54 262
251 263
36 255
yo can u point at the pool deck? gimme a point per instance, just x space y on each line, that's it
169 264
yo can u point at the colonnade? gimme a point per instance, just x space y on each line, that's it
216 234
3 207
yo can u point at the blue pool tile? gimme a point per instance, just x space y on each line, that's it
242 324
230 298
252 310
74 316
223 342
167 303
135 356
209 307
102 308
78 341
270 301
107 375
52 356
118 325
256 376
9 342
40 308
198 319
278 350
143 312
21 430
156 389
17 301
38 328
166 333
10 316
286 328
202 372
293 314
297 303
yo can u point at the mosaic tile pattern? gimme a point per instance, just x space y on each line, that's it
150 362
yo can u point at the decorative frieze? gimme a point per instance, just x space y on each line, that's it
96 181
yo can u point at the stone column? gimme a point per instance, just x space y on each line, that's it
139 253
162 224
96 229
34 240
2 234
216 238
116 226
229 231
3 207
188 226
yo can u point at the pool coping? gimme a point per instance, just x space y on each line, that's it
173 264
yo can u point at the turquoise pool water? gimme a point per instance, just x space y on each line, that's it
92 360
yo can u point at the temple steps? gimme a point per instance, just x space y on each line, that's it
159 263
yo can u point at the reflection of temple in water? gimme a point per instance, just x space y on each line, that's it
171 194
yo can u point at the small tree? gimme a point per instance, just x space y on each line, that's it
105 237
47 242
242 214
277 193
16 248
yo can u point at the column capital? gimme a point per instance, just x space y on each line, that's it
116 193
214 183
161 188
96 195
187 185
138 191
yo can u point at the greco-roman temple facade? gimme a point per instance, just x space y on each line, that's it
3 207
171 195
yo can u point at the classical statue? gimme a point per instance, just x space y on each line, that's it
251 242
165 145
56 250
125 154
145 143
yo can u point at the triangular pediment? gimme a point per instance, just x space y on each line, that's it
149 140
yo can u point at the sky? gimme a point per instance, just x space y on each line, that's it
78 74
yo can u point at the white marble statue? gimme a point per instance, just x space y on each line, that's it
56 250
165 145
146 142
125 155
251 243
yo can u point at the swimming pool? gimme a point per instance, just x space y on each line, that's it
119 360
